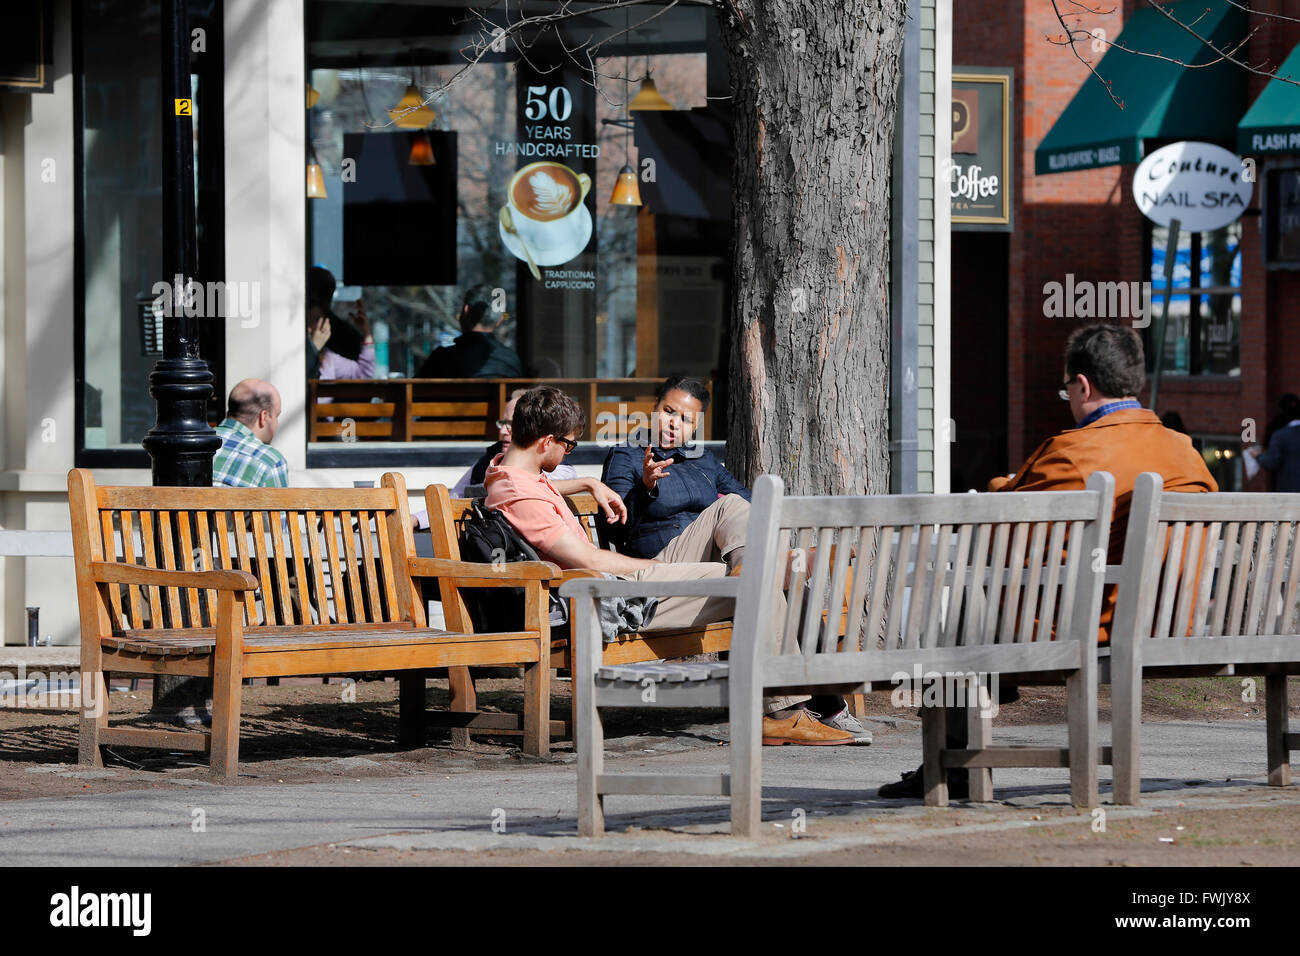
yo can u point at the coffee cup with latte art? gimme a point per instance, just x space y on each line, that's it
546 198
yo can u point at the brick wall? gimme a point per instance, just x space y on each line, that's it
1086 223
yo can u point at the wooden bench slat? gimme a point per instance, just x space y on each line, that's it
166 537
185 560
263 572
346 520
204 534
318 574
128 555
369 566
336 573
278 541
303 587
336 410
245 563
110 548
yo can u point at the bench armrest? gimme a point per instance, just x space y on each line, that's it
467 571
601 587
115 572
574 574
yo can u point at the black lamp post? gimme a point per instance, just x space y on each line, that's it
181 443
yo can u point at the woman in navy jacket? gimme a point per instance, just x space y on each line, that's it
665 486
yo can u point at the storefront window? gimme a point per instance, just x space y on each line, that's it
517 208
1222 458
119 103
1203 334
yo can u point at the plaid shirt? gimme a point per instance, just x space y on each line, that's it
245 461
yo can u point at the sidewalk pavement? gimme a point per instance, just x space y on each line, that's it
451 803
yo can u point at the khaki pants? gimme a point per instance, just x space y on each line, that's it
697 553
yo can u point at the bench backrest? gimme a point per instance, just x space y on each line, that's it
446 520
1209 565
927 571
323 555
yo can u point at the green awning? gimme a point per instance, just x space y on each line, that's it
1162 100
1272 125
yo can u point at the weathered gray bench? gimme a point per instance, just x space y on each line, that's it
1209 585
1019 596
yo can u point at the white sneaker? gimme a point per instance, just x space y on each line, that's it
847 722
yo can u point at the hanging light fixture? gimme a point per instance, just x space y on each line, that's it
315 178
627 192
422 151
410 112
648 97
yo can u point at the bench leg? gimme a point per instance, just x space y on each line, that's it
1125 729
537 703
1081 705
857 704
979 736
463 700
934 733
411 709
94 718
746 763
227 688
588 732
1276 723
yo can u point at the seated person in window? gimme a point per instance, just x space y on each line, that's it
477 352
336 348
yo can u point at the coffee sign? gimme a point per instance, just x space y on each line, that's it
1199 184
979 177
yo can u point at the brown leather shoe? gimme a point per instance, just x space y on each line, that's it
802 729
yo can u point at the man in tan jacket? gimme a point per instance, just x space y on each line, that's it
1105 371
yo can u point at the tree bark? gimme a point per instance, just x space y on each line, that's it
814 90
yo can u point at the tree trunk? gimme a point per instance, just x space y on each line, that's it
814 89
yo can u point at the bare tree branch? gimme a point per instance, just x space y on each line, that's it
1074 34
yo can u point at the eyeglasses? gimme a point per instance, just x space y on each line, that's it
503 423
569 443
1064 393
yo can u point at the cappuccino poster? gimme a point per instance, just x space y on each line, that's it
979 179
548 221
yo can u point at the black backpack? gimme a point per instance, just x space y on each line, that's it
486 537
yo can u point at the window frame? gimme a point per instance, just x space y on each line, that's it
209 219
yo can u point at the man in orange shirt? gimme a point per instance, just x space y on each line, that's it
546 425
1105 371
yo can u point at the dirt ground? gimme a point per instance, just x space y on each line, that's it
307 719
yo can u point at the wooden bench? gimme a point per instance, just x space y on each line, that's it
1210 584
446 516
1019 596
228 583
463 409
